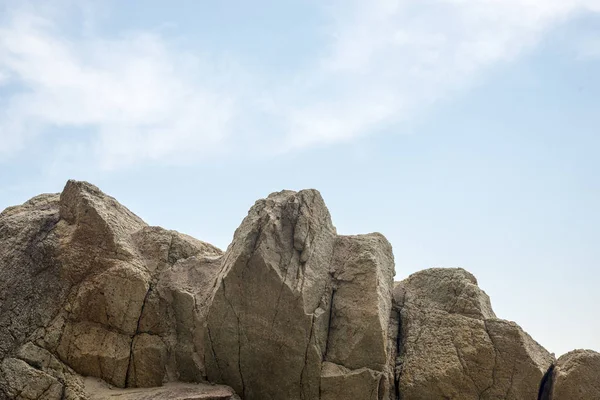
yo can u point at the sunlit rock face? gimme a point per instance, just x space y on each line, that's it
575 376
87 288
453 346
301 306
92 299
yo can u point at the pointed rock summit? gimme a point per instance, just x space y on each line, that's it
95 304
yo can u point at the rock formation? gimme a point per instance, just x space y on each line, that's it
452 346
575 376
87 288
92 299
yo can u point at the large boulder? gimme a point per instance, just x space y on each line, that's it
120 267
83 282
299 312
576 376
31 283
453 346
360 347
267 325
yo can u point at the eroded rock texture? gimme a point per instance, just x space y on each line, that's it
361 345
87 288
294 295
454 347
576 376
291 310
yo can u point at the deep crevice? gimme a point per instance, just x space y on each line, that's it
137 331
397 367
545 392
333 290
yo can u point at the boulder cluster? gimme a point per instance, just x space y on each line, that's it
94 303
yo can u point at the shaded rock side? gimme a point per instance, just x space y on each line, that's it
453 347
575 376
267 325
358 351
76 272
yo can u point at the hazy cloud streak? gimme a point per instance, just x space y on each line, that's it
137 98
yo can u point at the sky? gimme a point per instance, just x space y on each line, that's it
466 131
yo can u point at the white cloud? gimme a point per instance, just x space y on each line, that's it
389 59
138 98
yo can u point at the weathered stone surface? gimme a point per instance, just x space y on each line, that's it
576 376
290 311
175 310
76 271
361 307
19 380
451 290
453 347
95 351
31 285
520 362
293 295
148 360
338 382
267 325
35 373
362 302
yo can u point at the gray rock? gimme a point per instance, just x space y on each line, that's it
358 342
453 347
267 325
293 296
21 381
31 284
339 382
76 272
576 376
290 311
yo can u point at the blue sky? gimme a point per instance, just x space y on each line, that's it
466 131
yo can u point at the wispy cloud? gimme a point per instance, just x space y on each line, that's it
589 46
389 58
137 97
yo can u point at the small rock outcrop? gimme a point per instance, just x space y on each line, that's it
95 304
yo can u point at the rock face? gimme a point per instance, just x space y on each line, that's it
76 273
361 344
576 376
452 346
291 310
292 295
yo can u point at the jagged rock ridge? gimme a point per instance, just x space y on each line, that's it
291 310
